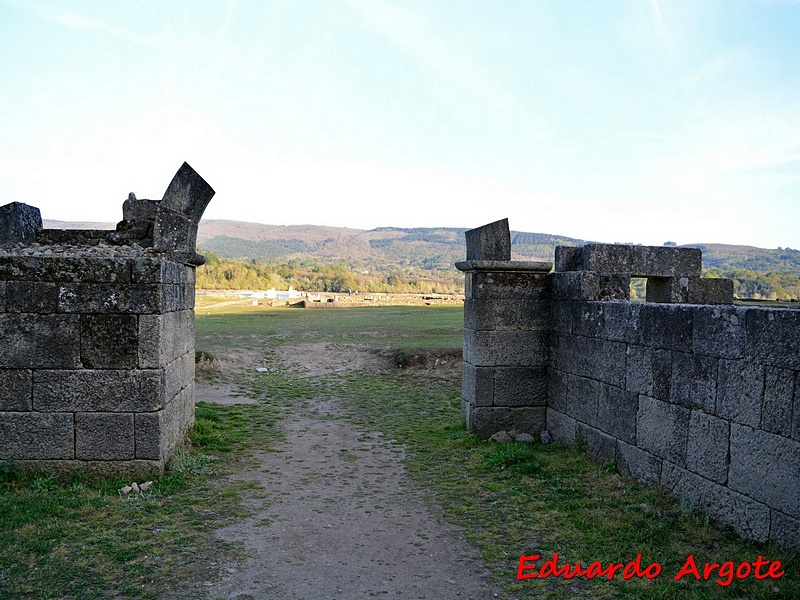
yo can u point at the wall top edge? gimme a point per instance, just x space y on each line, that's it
519 266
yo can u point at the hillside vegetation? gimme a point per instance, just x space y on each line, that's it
419 260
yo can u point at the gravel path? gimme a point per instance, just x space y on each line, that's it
341 520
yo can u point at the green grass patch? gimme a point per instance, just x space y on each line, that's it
74 537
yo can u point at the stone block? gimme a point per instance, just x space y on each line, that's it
561 316
174 380
583 396
562 428
165 337
489 242
616 413
137 211
741 391
511 285
665 326
557 397
784 531
643 261
694 381
31 297
568 258
19 223
719 331
507 314
766 467
104 436
89 390
747 516
707 449
109 341
563 348
488 420
776 409
662 429
620 322
150 435
600 359
773 337
710 291
39 341
598 445
15 389
648 371
36 436
636 463
591 286
507 348
2 296
796 411
477 384
109 298
520 386
62 269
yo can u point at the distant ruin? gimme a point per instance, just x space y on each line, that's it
97 364
686 390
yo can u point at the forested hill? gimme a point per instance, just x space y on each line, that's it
312 257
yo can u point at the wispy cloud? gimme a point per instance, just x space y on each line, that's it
410 31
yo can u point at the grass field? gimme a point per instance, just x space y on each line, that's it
74 538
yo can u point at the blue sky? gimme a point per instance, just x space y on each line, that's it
625 121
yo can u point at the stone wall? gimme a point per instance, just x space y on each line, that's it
97 364
702 400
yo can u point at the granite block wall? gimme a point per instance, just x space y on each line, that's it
685 391
97 359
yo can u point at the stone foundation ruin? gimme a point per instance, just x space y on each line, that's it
685 391
97 360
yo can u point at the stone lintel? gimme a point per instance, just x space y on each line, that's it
518 266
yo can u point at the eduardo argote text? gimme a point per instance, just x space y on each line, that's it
723 573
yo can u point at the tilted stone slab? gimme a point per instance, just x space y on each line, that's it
643 261
19 223
489 242
765 466
91 390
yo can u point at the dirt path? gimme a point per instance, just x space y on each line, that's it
341 520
